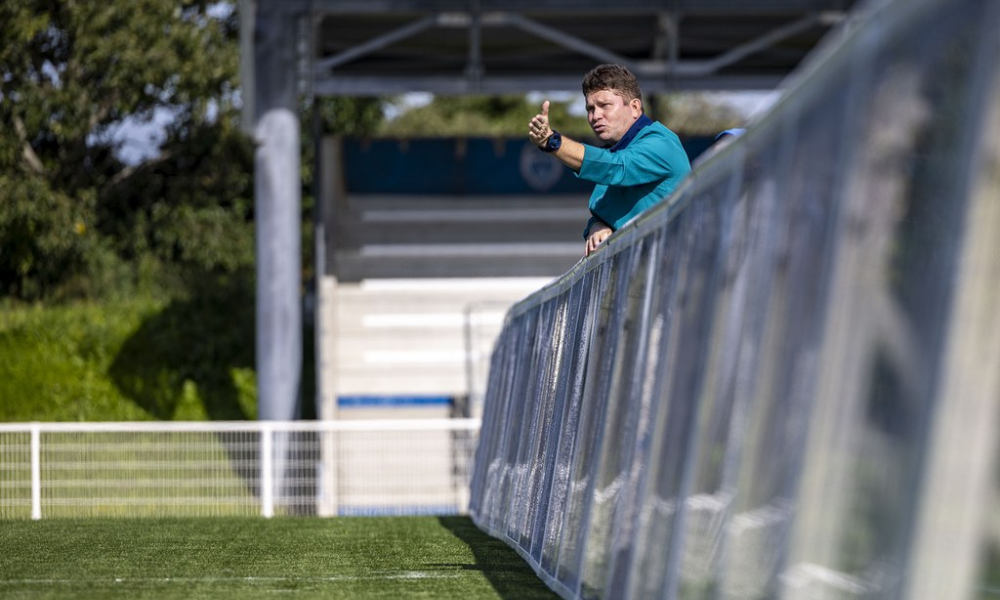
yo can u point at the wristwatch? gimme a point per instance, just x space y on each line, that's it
553 143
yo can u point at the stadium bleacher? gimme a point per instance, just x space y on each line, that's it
427 244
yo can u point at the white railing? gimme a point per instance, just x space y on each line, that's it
267 468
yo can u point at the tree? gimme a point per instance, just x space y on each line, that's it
471 116
69 73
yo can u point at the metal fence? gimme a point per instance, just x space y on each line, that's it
380 467
784 381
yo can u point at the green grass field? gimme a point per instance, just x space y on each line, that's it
348 557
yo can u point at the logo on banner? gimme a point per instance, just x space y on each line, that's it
539 170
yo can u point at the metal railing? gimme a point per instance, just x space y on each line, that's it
784 381
267 468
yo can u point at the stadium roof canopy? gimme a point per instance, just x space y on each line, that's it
373 47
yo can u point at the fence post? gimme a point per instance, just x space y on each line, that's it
266 470
36 471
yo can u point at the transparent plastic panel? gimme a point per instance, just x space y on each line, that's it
676 318
554 391
774 377
636 437
579 298
519 430
898 231
618 353
541 420
591 421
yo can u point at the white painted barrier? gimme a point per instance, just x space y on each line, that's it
380 467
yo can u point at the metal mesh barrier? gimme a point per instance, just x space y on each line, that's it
384 467
784 381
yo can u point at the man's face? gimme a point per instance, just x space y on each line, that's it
610 115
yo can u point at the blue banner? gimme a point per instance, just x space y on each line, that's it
465 166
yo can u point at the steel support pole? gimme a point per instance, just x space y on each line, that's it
277 197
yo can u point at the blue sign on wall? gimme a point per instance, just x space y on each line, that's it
467 166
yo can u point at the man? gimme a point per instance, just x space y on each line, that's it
642 161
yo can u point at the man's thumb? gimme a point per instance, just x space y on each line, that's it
545 108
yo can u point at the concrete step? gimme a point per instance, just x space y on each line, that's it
408 336
457 260
365 232
404 273
389 236
401 382
459 291
367 202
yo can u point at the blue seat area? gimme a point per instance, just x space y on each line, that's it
464 167
393 401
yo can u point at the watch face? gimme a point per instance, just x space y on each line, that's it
554 142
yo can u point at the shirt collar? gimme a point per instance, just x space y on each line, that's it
641 122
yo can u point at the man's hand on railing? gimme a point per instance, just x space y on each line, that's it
598 233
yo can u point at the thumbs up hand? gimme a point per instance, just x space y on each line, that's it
538 128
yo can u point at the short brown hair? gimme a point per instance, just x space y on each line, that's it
612 77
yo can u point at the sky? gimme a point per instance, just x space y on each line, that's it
138 140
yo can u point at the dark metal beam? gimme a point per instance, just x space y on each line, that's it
567 41
382 41
394 46
359 85
731 7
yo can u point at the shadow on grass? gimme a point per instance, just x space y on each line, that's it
506 571
197 340
195 359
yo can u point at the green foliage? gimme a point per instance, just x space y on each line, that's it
71 212
44 235
356 117
477 116
190 207
136 359
76 223
53 362
191 359
84 66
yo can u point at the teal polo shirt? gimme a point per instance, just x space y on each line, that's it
634 174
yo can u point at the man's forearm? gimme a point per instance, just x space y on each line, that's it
570 153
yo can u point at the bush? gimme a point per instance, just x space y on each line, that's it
45 236
139 358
